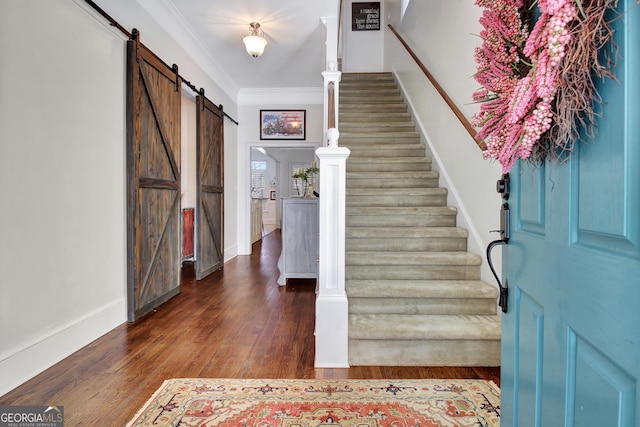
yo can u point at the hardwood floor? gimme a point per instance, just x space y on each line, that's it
237 323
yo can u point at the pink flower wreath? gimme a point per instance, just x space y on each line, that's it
519 75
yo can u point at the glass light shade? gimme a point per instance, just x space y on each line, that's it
255 45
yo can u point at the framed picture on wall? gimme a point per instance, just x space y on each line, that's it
283 124
365 16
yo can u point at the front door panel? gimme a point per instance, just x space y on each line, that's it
571 341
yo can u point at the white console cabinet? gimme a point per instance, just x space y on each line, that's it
299 257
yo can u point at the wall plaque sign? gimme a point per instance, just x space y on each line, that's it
365 16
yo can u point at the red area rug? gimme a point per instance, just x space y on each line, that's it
315 403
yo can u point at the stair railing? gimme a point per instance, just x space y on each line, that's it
332 310
452 105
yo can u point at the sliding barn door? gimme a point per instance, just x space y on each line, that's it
153 179
210 212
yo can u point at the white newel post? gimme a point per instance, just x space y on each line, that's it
332 307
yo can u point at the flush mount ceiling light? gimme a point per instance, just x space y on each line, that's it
255 42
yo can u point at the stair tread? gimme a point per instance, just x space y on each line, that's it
361 92
375 135
379 288
375 108
392 174
406 211
387 160
418 191
371 86
347 116
406 258
406 232
386 147
424 326
367 74
376 128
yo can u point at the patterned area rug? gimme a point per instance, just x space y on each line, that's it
315 403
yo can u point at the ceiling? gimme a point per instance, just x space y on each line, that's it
292 57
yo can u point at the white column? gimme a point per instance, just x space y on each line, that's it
332 307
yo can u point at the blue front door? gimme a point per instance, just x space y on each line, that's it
571 339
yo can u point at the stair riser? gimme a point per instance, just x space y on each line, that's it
384 151
394 183
367 84
369 87
391 258
349 83
406 244
379 139
375 117
389 127
408 306
391 144
394 221
424 353
387 109
372 100
371 84
388 167
373 135
380 201
403 233
412 272
363 95
356 79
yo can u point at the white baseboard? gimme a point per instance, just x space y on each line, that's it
19 365
230 253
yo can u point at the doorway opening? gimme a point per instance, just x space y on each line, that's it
272 169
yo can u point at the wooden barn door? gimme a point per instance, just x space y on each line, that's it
210 171
153 180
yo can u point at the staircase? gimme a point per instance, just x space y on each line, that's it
415 294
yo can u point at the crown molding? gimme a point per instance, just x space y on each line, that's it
174 23
289 96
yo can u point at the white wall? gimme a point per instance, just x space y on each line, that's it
362 51
62 173
188 156
442 35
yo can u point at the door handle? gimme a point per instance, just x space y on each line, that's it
503 187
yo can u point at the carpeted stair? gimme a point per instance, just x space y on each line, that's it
415 294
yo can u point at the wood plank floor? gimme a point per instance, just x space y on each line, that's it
237 323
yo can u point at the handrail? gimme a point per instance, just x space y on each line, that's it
332 105
441 91
339 47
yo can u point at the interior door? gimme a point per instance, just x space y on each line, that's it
571 340
153 179
210 188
